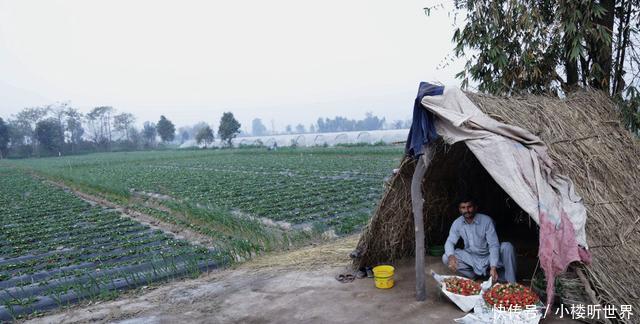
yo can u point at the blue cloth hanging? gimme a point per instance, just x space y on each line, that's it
422 130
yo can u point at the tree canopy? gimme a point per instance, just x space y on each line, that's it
99 120
49 135
342 124
123 123
229 128
149 133
4 138
258 128
551 47
205 135
166 129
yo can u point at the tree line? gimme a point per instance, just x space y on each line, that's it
60 129
330 125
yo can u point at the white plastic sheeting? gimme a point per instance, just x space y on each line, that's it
316 139
465 303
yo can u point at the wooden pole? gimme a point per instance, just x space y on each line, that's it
417 202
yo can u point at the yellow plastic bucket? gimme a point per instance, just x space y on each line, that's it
383 276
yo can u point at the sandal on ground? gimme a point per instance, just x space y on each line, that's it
345 278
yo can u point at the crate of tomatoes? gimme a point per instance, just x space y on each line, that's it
463 292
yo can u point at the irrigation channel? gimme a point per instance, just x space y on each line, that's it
57 250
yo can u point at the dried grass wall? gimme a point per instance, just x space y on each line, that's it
588 144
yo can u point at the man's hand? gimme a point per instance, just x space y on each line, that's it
494 274
453 263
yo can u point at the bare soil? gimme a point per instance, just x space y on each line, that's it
297 286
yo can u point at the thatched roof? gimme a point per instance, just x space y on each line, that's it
587 143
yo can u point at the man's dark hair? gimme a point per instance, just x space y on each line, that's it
466 198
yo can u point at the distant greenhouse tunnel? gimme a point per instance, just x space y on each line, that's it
270 142
300 141
363 137
319 140
341 139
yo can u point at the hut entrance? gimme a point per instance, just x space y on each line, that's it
455 170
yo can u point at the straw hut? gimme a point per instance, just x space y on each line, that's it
587 144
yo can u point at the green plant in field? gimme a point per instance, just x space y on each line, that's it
248 201
50 235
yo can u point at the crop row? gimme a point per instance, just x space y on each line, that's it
324 185
56 249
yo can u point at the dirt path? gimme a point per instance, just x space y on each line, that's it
294 287
176 231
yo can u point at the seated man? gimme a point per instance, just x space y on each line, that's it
482 250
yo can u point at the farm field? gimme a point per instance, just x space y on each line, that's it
314 187
56 249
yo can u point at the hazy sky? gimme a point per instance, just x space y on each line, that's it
290 61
